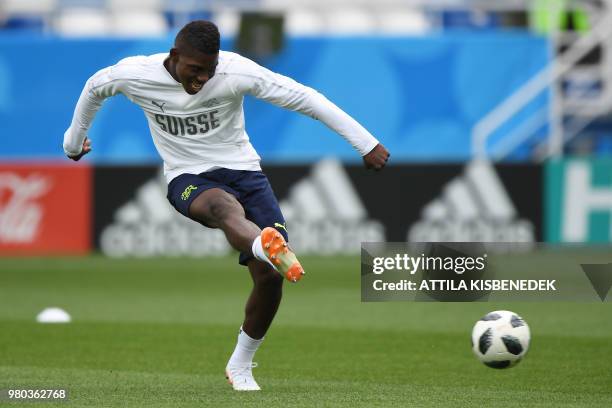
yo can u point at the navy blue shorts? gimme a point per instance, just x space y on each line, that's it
251 188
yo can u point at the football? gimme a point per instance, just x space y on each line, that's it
500 339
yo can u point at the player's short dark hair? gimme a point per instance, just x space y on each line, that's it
201 35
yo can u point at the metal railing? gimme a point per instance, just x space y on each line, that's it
548 79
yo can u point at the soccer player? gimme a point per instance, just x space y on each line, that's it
192 98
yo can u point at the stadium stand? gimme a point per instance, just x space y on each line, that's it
31 15
562 21
77 22
137 17
139 23
303 21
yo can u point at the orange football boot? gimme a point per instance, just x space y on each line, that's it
277 251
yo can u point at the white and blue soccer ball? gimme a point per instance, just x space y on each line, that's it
500 339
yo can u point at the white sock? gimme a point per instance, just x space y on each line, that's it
245 349
258 251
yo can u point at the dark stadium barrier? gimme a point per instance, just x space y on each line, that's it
45 209
331 208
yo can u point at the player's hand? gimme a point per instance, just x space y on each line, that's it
86 149
377 158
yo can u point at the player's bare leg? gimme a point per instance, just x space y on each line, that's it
219 209
259 312
264 300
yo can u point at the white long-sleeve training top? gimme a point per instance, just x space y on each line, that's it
201 132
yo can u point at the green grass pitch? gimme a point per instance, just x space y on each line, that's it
157 333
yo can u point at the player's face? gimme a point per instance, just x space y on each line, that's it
194 69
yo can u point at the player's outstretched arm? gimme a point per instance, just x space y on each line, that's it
103 84
251 78
377 158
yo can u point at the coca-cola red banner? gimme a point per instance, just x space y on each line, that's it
45 209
